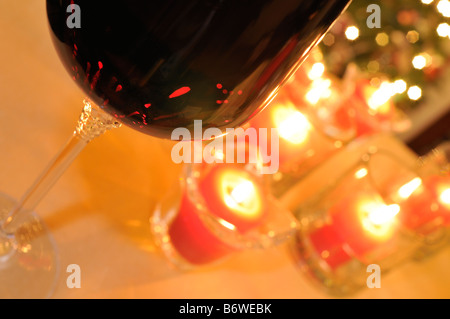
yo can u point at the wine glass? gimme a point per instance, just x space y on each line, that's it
156 66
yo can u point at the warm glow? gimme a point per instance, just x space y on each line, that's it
379 100
382 214
444 197
292 125
415 93
378 219
361 173
444 8
352 33
240 195
406 190
317 71
320 88
218 154
243 192
427 1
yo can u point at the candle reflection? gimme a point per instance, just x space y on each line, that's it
409 188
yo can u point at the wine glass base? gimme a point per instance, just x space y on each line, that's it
28 266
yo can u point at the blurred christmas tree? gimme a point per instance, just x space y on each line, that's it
410 49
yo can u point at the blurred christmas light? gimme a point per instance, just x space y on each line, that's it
412 36
373 66
329 39
443 30
414 48
419 62
400 86
415 93
444 8
382 39
352 33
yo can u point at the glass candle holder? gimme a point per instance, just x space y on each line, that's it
367 216
309 131
216 210
433 201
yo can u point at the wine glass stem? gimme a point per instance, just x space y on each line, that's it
93 122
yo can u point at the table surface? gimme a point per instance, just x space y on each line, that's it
98 211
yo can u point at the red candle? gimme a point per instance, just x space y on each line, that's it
234 200
364 222
329 246
359 224
428 202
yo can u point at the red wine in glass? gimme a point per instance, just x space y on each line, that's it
156 66
159 65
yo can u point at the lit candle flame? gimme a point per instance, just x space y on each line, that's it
242 197
292 125
243 192
378 219
383 214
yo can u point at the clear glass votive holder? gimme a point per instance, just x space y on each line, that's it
215 210
378 212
